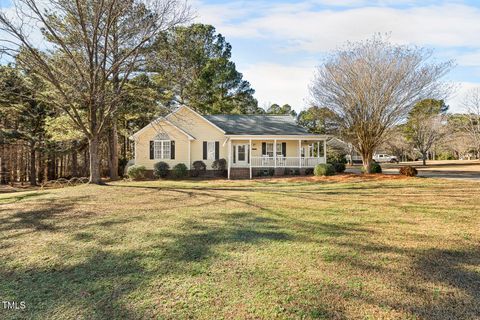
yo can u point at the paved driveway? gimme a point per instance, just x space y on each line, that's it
453 169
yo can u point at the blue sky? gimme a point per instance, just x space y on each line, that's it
277 44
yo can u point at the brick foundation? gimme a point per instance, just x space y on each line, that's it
239 173
244 173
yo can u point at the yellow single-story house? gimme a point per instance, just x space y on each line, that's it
249 143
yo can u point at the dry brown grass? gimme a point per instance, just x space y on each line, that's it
343 247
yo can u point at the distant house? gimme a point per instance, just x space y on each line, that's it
251 144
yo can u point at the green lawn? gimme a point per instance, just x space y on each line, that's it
343 248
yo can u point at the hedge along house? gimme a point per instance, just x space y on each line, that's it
251 144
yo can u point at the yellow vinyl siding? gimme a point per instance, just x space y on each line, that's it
292 147
201 130
187 121
142 145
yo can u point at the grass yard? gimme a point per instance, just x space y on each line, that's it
341 247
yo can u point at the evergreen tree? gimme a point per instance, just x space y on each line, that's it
193 67
281 110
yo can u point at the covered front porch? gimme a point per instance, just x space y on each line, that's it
275 152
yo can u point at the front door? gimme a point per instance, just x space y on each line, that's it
241 154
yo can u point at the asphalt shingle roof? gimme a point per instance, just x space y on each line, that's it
257 124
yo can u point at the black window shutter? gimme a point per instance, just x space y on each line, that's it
204 150
264 148
234 155
172 149
284 149
248 154
217 150
151 150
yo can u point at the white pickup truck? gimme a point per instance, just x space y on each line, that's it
382 157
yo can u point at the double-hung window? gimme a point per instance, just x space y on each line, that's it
269 149
162 149
211 150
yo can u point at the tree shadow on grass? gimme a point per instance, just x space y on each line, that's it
101 285
19 197
42 216
92 289
455 269
437 284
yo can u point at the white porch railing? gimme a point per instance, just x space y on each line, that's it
283 162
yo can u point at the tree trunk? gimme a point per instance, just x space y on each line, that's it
86 163
424 158
93 147
41 167
14 162
125 144
113 151
3 169
33 171
367 161
74 159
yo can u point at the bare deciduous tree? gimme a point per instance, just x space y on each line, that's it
372 86
426 125
472 108
92 49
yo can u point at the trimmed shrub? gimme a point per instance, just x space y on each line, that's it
136 172
180 171
444 156
198 167
128 165
296 172
339 167
324 170
336 157
271 172
308 171
160 169
220 165
374 168
408 171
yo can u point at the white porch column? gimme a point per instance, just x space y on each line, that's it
189 160
325 149
274 153
250 157
300 153
229 157
318 149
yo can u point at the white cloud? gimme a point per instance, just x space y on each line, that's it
469 59
302 29
455 101
305 28
277 83
288 84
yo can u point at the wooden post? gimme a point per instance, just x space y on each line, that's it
300 153
325 149
275 153
189 160
250 157
229 157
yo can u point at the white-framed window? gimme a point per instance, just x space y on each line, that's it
269 149
316 150
210 150
162 149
